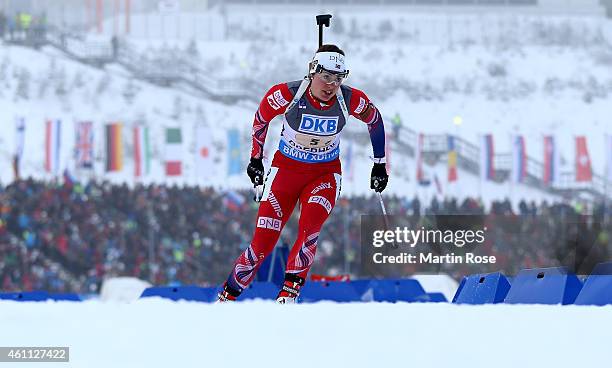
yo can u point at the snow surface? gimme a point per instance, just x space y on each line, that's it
156 333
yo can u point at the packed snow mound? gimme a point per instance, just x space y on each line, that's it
122 289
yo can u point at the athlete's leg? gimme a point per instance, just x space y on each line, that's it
281 191
317 201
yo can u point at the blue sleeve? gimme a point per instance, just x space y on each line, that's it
377 135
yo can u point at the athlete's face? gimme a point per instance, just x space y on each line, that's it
324 85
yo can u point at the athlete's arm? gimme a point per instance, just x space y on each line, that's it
363 109
274 103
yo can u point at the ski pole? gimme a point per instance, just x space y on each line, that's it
382 206
258 189
384 211
258 192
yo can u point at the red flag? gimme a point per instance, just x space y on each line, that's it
583 162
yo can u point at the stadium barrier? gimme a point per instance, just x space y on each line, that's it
188 293
489 288
597 289
400 290
544 286
39 296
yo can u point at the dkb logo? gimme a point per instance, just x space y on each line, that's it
323 125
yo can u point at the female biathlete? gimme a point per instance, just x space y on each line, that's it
306 166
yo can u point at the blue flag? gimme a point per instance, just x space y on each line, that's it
234 163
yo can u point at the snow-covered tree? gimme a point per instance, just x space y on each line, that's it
60 83
23 85
130 91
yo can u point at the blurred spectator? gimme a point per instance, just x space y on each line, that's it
397 125
3 24
11 25
69 237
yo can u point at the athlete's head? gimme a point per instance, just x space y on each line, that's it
327 71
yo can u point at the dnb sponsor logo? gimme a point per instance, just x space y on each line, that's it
269 223
278 97
322 201
322 125
276 100
361 106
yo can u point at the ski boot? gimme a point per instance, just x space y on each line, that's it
290 290
227 295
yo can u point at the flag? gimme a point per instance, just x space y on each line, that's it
487 152
233 200
420 172
519 159
52 146
114 147
452 159
349 161
582 161
174 152
84 145
551 161
233 144
204 161
142 151
609 157
20 140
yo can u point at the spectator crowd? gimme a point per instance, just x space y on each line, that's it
69 236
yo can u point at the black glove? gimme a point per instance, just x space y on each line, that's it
379 177
255 171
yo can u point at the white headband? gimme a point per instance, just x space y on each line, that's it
331 61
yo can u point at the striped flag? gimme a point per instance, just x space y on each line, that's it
174 152
233 143
204 161
142 151
84 145
584 172
519 159
19 144
114 147
53 131
609 157
452 159
551 161
487 152
233 200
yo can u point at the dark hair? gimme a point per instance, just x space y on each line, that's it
330 48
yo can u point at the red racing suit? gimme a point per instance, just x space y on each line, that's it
306 168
